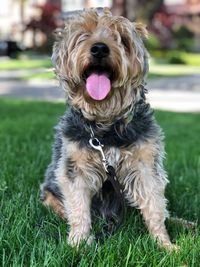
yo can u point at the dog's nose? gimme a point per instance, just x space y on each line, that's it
100 50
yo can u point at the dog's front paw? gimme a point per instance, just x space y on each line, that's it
170 247
75 238
173 247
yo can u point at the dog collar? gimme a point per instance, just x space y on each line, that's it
119 134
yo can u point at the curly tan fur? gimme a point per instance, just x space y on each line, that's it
71 57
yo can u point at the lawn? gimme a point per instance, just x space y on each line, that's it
31 235
17 64
159 67
46 75
171 70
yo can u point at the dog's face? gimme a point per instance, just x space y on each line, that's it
101 62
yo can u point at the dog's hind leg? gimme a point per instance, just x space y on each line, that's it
50 200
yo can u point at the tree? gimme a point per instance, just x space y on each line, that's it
47 22
137 9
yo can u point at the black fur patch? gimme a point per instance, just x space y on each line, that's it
50 183
142 126
50 186
70 168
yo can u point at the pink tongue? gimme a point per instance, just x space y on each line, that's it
98 86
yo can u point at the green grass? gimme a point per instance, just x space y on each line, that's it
31 235
192 59
171 70
17 64
39 76
45 75
156 71
189 59
159 67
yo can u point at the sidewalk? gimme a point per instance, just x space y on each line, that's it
181 94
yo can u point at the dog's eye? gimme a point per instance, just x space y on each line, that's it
82 38
125 42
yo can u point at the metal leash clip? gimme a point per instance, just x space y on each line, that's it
96 144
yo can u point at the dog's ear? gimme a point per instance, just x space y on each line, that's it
139 34
107 11
141 30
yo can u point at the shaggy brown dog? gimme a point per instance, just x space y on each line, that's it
101 63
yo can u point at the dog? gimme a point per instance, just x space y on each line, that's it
102 64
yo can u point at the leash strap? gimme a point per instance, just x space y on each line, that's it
111 174
119 192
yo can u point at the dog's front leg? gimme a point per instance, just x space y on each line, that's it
148 195
77 201
153 209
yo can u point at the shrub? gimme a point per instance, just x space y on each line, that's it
184 39
175 58
153 43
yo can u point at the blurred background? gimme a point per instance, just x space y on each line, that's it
26 40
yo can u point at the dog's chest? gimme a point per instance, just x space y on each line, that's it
113 156
88 164
118 158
